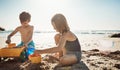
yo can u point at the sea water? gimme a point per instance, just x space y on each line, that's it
89 39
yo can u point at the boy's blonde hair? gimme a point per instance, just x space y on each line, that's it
24 16
60 23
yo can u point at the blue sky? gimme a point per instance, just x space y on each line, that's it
80 14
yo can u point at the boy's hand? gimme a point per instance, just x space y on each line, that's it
25 45
8 41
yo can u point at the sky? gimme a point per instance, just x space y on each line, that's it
80 14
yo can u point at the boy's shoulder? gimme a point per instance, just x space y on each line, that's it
31 26
18 27
21 27
28 26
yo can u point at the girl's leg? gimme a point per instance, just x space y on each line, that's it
68 60
57 38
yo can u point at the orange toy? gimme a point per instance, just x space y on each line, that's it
35 58
11 45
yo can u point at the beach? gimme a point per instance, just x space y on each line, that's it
91 60
99 52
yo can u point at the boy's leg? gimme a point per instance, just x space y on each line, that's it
30 48
22 56
21 44
29 51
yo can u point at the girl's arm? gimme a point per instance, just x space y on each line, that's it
58 48
57 38
49 50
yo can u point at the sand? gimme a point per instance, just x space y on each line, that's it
95 56
91 60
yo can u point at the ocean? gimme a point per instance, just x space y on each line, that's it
89 39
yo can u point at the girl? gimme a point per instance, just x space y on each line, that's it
67 43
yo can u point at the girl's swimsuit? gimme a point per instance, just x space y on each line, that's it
73 47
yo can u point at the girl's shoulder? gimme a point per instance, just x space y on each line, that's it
70 36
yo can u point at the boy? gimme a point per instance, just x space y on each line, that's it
26 32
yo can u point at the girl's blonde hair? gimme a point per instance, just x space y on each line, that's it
60 23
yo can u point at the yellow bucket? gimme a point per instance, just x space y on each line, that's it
11 45
35 58
11 52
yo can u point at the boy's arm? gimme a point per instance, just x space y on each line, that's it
10 35
14 32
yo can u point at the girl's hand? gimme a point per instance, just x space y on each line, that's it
37 52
